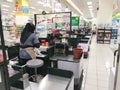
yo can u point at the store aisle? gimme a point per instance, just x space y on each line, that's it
96 68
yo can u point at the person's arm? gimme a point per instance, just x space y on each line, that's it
36 42
37 45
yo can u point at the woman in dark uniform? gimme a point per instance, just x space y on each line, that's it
28 42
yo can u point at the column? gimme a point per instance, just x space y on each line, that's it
22 11
105 12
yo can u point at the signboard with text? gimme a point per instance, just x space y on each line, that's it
75 21
21 7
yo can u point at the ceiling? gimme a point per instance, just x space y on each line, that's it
38 7
81 4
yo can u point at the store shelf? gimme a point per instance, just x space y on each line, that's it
106 35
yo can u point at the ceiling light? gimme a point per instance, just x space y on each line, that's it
90 9
32 7
89 3
90 6
40 2
5 9
5 5
47 5
9 0
74 6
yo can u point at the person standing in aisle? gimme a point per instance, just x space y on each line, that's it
28 41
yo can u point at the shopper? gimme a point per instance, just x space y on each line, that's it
28 42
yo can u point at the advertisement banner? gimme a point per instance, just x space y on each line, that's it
21 7
18 6
75 21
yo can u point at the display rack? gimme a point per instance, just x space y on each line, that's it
104 35
114 35
107 35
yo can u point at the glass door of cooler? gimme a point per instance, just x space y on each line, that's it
4 78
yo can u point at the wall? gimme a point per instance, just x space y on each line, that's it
104 15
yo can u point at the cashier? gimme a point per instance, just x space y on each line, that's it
28 41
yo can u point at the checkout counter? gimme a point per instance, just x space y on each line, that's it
62 64
69 63
57 79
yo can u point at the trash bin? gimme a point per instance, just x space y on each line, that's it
77 53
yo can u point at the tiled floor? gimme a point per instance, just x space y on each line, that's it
96 67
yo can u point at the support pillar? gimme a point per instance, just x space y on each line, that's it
105 12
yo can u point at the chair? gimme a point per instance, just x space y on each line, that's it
35 63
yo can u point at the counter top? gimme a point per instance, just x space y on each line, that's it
52 82
65 58
44 48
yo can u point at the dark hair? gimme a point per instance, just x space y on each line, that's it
27 31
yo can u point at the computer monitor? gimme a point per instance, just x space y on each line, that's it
40 28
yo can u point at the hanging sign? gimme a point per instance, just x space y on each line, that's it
21 7
25 9
18 6
75 21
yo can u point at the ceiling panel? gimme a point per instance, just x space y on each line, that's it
81 4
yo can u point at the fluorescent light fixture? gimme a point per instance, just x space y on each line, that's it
46 5
5 6
90 9
9 0
90 6
89 3
5 9
32 7
74 6
40 2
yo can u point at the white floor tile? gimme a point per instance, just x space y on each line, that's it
100 59
103 84
90 87
90 81
102 88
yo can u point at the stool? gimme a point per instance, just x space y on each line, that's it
35 63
